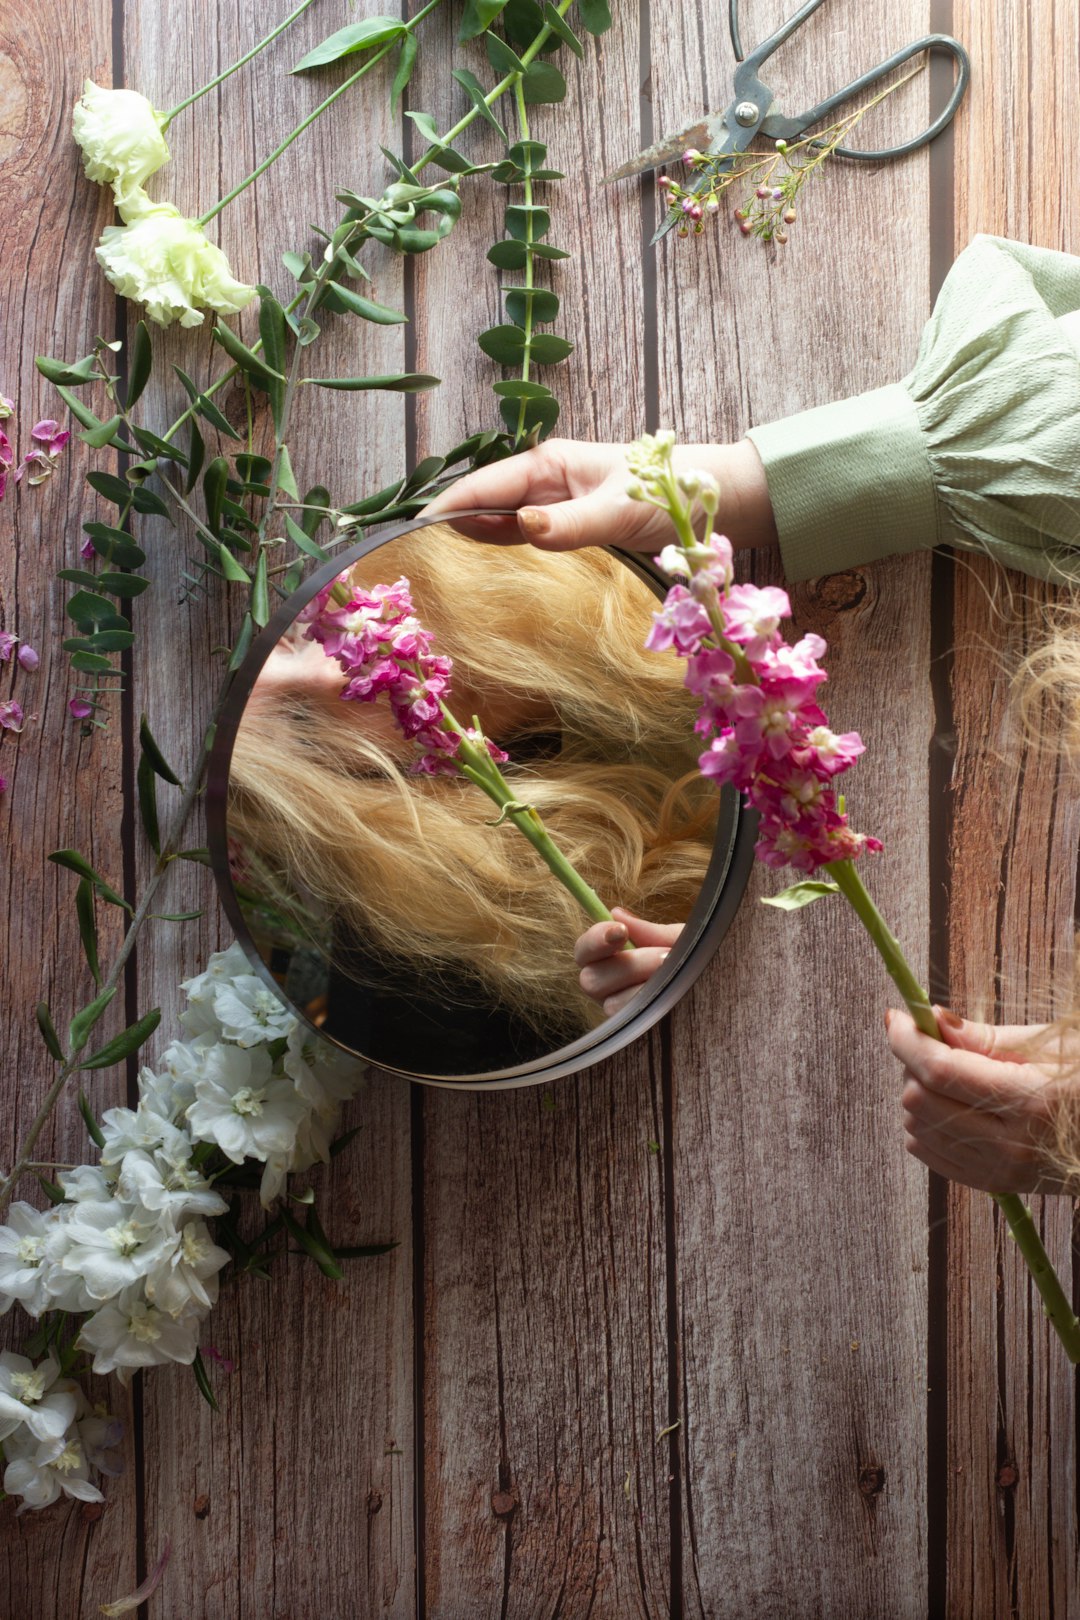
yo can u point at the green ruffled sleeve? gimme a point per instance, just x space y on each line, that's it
979 447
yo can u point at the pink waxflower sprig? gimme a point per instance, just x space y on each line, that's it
769 738
384 651
767 735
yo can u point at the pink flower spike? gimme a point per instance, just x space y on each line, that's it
27 657
11 715
752 616
79 709
7 642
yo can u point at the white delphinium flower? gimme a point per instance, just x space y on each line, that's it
101 1433
25 1397
24 1264
126 1129
173 1090
167 1181
189 1277
324 1076
109 1246
39 1470
93 1182
121 135
130 1333
223 965
250 1013
242 1106
167 263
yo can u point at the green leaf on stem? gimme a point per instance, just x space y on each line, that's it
286 478
254 367
425 470
83 576
361 36
79 411
153 753
84 908
407 382
299 265
55 1194
123 1045
232 570
543 85
176 916
595 15
101 435
59 372
205 407
320 1252
196 457
260 594
115 545
146 785
407 55
48 1031
538 418
380 314
515 388
374 503
546 349
239 652
74 862
340 1143
88 608
477 18
140 361
106 641
506 344
84 1021
520 218
272 330
303 542
93 1129
560 26
160 449
502 58
215 483
476 94
91 663
124 586
202 1382
312 520
543 304
800 894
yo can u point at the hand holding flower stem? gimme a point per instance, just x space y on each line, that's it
772 743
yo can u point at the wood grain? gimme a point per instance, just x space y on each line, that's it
1012 1529
73 1556
800 1228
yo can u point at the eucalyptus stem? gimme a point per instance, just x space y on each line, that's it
305 123
1015 1211
229 71
527 323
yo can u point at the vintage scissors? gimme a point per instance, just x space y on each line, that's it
724 135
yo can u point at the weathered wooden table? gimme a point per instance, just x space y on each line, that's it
766 1370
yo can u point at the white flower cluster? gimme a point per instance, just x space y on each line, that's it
51 1435
129 1248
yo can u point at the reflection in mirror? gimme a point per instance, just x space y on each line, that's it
387 904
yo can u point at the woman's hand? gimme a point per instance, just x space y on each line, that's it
611 974
563 495
976 1109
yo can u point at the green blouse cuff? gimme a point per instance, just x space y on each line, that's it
849 482
978 448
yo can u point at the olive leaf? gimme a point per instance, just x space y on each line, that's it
96 1134
84 1021
380 314
146 787
123 1045
800 894
60 373
74 862
48 1031
140 362
408 382
84 908
410 47
359 36
153 753
205 407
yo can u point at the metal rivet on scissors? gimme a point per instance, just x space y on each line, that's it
723 136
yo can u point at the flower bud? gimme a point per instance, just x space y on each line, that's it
27 657
781 237
635 490
121 137
713 205
789 216
781 146
7 407
663 182
691 155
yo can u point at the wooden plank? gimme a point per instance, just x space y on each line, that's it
323 1390
1012 1420
68 1558
545 1375
800 1228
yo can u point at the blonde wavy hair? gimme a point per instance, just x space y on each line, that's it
548 649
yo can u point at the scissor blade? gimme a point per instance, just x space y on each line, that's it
702 135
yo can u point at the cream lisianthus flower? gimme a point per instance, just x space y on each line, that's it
164 261
121 136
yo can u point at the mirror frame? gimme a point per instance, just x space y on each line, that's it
712 914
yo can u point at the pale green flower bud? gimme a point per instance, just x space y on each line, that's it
164 261
635 490
121 137
693 482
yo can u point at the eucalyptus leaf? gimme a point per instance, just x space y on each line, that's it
87 607
196 456
140 361
380 314
260 594
84 910
91 663
84 1021
516 388
48 1031
476 94
543 85
153 753
254 367
508 255
109 640
501 57
123 1045
360 36
560 26
410 47
114 489
477 17
547 350
82 576
205 407
146 786
506 344
115 545
522 218
59 372
74 862
800 894
94 1131
124 586
539 301
536 420
408 382
595 15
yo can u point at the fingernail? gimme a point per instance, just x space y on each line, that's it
945 1016
534 521
616 934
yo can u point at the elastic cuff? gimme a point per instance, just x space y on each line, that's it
849 482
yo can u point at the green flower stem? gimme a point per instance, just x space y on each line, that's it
476 763
255 49
528 55
523 130
305 123
1015 1211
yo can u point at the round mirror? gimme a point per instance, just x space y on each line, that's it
395 896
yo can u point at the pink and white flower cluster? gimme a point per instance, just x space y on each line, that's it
767 734
382 647
47 439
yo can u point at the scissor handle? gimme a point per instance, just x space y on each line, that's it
931 42
774 41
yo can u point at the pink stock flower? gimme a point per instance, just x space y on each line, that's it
7 455
27 657
682 623
752 616
11 715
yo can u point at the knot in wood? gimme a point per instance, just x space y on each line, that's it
374 1503
1007 1476
839 593
201 1505
871 1480
503 1504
